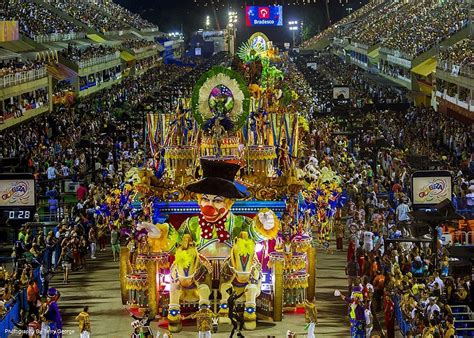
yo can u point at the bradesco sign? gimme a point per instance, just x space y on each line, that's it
264 16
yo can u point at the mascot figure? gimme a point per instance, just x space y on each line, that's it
242 271
216 228
190 280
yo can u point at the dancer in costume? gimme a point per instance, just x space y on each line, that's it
356 311
234 316
311 316
52 315
204 320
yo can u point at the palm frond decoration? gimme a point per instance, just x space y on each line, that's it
249 53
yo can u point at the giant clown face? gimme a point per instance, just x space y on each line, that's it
214 207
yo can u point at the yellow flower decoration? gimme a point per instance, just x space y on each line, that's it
245 246
183 259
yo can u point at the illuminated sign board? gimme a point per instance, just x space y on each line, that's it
264 16
431 187
17 196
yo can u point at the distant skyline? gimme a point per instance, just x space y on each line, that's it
187 16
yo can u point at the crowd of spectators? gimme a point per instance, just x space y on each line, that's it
387 23
460 54
14 66
330 71
137 44
409 27
90 14
50 147
18 106
390 279
429 26
76 54
35 19
333 28
124 15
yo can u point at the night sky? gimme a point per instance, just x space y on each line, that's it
190 15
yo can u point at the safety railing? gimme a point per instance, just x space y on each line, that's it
98 60
455 69
59 37
12 315
458 237
22 77
19 301
403 324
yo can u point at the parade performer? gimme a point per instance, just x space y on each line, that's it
356 311
204 320
142 325
83 318
216 228
234 316
52 315
311 316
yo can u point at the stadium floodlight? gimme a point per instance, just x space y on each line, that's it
293 27
232 18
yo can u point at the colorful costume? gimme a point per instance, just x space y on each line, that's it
311 317
52 315
215 232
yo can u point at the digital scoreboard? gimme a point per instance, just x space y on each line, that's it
17 198
264 16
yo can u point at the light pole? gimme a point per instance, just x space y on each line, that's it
208 22
293 26
232 31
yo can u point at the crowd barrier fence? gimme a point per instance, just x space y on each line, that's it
22 77
20 302
12 315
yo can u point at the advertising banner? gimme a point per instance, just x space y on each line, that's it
264 16
431 187
17 192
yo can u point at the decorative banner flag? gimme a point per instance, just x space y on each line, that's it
9 31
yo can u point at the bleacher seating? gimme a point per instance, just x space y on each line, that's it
36 20
430 24
124 15
330 31
90 14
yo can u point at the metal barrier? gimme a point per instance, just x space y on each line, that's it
13 312
98 60
59 37
22 77
449 66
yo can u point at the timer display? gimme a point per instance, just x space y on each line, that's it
18 214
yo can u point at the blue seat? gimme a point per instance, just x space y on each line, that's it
465 333
463 324
462 316
459 308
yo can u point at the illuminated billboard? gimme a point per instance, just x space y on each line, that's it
17 192
431 187
264 16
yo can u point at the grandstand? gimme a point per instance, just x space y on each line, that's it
67 50
410 43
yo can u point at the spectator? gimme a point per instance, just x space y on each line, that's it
81 192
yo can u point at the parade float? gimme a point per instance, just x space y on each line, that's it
223 207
